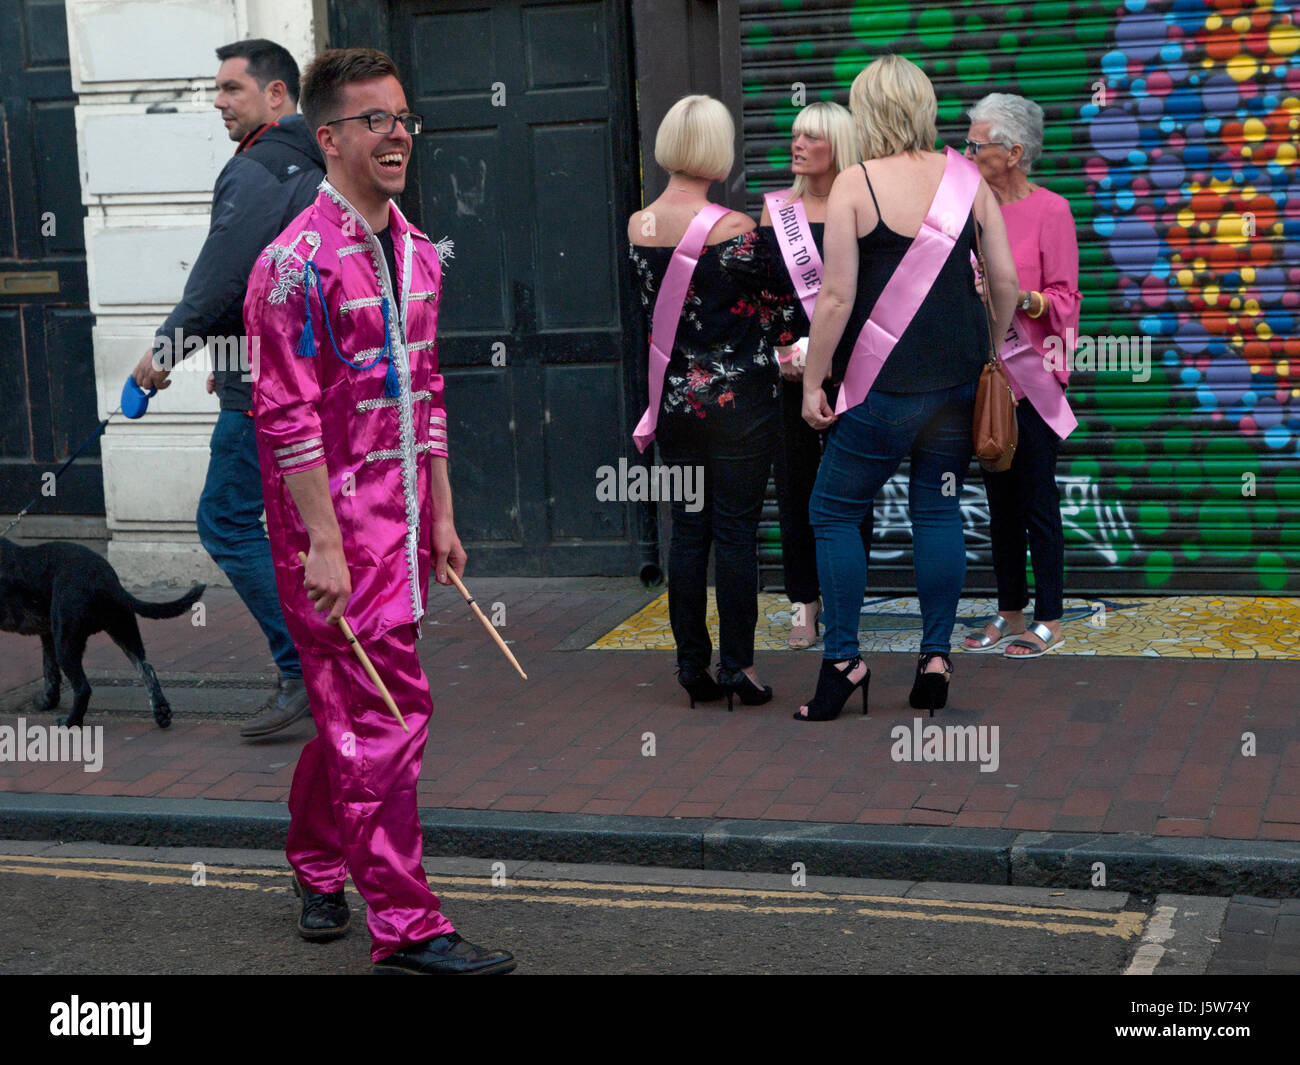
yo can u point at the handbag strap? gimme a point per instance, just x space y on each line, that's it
984 296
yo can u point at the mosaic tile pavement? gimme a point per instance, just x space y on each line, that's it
1155 627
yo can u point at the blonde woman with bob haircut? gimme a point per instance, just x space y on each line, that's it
718 410
696 139
921 402
823 141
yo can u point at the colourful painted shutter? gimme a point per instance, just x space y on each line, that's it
1172 131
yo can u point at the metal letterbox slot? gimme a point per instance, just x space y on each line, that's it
15 283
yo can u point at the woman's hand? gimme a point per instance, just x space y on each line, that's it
792 361
816 411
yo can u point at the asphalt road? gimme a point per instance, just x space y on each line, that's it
92 909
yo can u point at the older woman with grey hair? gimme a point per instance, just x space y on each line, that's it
1005 139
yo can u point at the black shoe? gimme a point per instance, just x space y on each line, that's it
737 682
930 692
698 684
324 917
448 955
833 691
287 705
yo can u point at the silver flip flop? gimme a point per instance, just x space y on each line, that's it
987 642
1043 633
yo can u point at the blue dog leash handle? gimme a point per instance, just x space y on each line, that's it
135 401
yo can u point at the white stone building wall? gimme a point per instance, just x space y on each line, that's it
150 145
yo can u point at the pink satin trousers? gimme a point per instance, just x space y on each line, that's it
353 804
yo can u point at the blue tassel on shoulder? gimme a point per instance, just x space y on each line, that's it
307 342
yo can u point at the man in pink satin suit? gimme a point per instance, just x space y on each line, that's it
352 437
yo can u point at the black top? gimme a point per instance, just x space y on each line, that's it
734 315
946 342
271 179
385 238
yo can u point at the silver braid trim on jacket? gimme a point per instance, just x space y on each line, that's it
406 419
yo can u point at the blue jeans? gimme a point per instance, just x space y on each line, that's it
866 445
230 529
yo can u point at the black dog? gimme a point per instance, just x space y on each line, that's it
63 593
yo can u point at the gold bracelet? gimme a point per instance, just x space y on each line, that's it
1042 305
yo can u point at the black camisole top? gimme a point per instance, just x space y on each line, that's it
946 343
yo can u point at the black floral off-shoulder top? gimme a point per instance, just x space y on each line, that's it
736 312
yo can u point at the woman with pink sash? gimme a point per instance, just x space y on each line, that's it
900 326
1005 139
823 142
704 278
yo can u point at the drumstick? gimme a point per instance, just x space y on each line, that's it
366 664
486 624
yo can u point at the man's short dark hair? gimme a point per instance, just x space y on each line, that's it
323 82
267 62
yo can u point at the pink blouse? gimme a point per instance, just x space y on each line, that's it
1046 251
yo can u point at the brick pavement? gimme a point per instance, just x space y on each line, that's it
1087 744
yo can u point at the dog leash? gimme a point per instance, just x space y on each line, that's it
134 403
68 462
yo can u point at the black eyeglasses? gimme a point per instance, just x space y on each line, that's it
975 146
384 123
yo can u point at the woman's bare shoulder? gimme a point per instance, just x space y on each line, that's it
849 177
636 223
732 224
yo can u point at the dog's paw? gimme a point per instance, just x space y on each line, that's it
67 722
162 715
43 704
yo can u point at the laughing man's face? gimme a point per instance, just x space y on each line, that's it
371 164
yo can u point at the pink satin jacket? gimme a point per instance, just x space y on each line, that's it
314 404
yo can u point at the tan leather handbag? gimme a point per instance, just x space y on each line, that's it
995 432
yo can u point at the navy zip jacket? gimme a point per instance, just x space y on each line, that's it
271 179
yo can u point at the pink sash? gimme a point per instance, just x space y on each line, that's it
794 237
1025 367
668 313
912 280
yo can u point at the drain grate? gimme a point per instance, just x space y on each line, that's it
232 697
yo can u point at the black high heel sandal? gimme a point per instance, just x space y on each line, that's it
699 685
833 691
737 682
930 692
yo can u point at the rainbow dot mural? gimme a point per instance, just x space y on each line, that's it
1194 126
1173 128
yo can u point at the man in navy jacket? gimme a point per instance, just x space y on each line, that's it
271 179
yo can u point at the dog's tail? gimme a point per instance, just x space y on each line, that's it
164 610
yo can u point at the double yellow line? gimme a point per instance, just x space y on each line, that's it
1063 921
